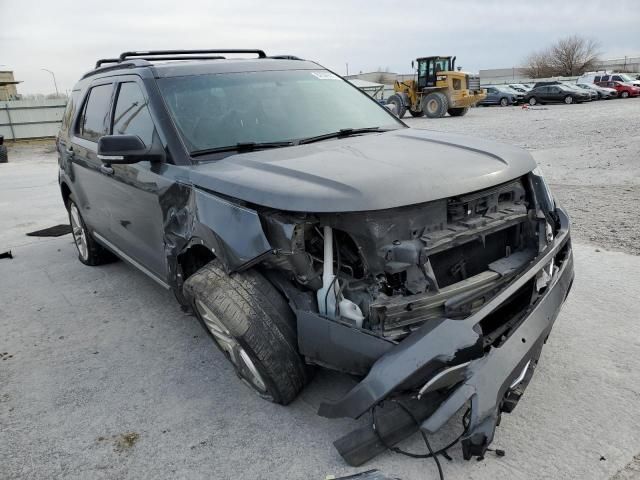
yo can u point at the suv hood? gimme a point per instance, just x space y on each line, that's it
369 172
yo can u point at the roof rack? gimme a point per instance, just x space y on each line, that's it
155 53
141 58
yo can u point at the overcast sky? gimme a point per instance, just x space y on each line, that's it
68 36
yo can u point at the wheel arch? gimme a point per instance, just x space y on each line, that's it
65 191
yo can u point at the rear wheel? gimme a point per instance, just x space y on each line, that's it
252 324
568 99
396 100
624 95
458 112
435 105
89 251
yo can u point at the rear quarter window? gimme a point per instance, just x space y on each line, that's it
70 110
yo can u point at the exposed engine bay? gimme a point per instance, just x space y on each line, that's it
391 271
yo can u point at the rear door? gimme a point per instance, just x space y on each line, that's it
542 94
90 184
554 94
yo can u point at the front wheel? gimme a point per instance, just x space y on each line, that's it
533 101
568 99
253 326
397 102
504 102
458 112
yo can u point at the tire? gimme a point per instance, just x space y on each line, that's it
4 156
435 105
624 95
504 102
533 101
568 99
89 251
252 324
458 112
416 113
396 100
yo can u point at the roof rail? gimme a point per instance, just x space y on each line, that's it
136 62
285 57
153 53
106 60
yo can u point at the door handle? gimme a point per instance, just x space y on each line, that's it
70 153
106 169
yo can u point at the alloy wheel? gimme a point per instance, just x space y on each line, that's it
236 354
79 233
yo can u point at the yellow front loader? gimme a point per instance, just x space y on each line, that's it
437 90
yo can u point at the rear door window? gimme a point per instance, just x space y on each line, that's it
597 79
93 123
131 116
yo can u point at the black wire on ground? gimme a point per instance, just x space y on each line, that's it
432 454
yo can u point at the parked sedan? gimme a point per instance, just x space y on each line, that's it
625 90
556 94
499 96
602 92
592 95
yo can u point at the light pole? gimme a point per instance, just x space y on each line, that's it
55 84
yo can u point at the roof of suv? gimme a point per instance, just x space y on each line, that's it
235 65
174 63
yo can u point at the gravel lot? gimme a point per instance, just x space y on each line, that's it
588 152
102 375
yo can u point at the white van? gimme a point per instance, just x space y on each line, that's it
595 77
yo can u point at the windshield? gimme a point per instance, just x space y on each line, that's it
624 77
225 109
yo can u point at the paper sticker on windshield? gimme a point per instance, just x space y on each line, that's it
324 75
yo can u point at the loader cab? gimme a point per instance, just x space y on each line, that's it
428 68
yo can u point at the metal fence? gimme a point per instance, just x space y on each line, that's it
31 118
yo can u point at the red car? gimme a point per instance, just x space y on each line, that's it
624 90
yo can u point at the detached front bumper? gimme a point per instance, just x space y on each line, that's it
449 355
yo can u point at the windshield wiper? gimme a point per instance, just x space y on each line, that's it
343 132
242 147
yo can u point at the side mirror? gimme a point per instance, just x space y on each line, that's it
412 65
125 149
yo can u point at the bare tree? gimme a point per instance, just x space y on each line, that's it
574 55
568 57
537 65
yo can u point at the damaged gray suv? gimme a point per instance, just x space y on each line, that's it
305 225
